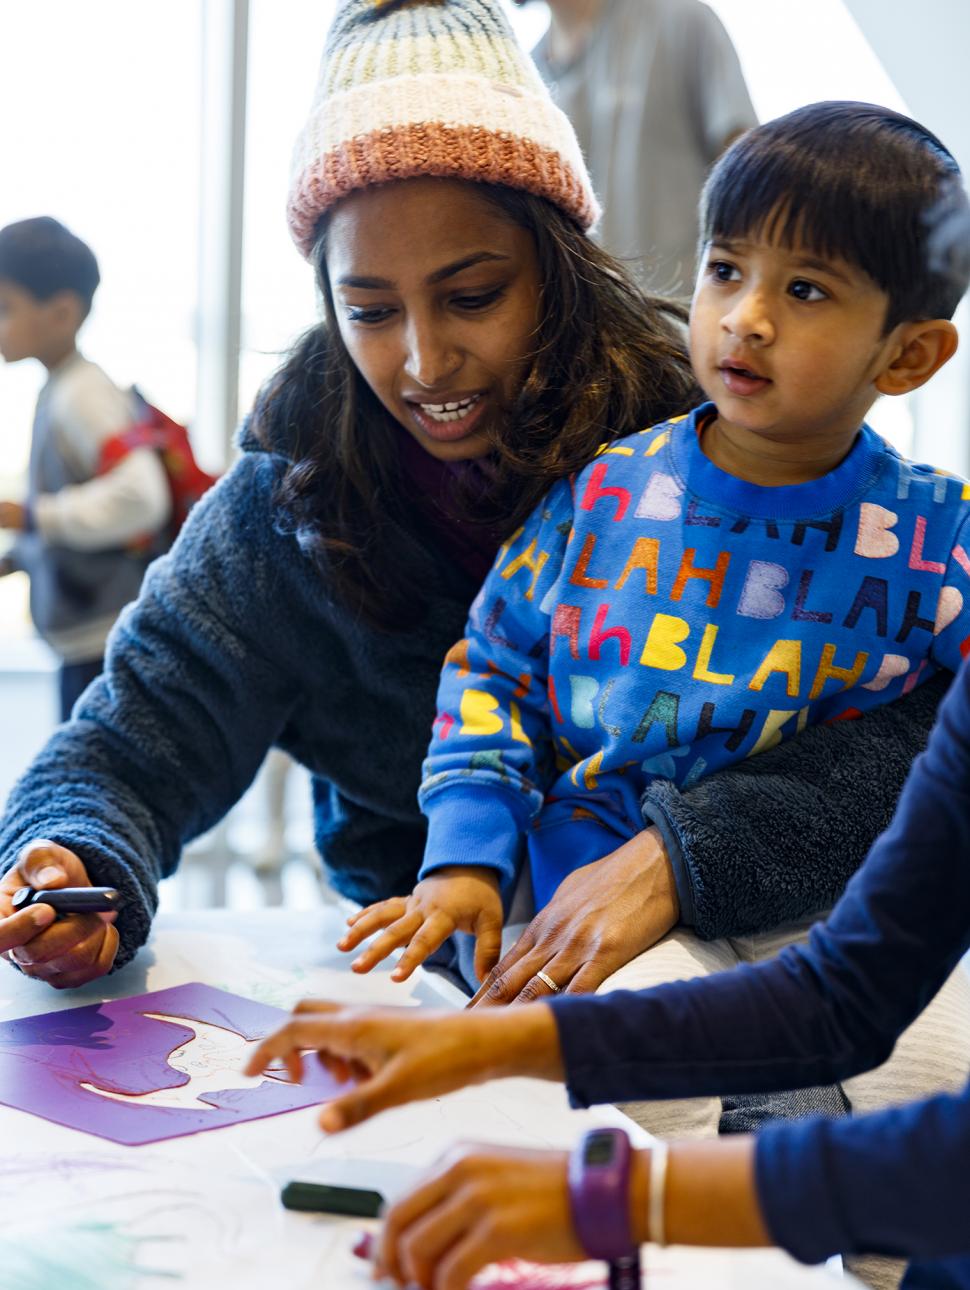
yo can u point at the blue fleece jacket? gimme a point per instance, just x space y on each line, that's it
659 618
897 1181
234 646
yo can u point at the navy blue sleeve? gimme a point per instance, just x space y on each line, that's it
895 1182
199 681
817 1013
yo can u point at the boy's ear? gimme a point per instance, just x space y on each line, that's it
920 351
66 310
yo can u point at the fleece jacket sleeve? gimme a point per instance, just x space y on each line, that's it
778 836
198 683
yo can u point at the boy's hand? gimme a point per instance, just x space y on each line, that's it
461 898
12 516
67 952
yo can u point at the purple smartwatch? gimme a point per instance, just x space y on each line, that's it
599 1195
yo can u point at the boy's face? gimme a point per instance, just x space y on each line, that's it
24 323
785 342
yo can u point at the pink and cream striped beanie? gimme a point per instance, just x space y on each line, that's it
431 87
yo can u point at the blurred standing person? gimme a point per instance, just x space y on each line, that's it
655 92
75 533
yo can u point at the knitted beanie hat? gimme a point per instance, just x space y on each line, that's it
431 87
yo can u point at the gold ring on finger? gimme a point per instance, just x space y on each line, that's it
547 980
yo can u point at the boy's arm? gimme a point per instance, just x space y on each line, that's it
777 836
198 684
483 777
107 510
127 502
490 752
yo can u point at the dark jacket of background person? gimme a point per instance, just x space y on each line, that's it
655 97
894 1182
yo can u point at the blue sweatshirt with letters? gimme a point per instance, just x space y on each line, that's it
657 618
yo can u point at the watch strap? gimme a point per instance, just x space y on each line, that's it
599 1194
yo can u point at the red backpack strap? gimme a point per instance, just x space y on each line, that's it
153 429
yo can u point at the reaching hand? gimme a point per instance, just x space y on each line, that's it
602 916
460 898
480 1205
67 952
396 1057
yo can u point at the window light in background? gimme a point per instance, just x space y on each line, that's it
101 131
115 154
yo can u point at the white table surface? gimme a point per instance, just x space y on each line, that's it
80 1213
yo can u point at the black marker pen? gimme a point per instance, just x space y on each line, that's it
70 900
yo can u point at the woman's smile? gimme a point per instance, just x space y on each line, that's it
451 417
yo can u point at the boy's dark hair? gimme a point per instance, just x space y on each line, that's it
42 257
851 180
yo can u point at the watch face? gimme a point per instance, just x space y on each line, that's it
600 1149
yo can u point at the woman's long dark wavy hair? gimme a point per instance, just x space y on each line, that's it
608 361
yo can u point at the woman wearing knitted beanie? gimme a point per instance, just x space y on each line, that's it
476 346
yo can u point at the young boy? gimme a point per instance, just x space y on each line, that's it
73 529
714 584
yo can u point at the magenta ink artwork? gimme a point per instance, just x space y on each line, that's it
516 1274
151 1067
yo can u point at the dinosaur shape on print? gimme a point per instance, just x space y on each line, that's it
151 1067
212 1060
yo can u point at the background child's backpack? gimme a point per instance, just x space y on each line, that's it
187 480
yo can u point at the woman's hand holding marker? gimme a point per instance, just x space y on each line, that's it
64 952
394 1057
459 899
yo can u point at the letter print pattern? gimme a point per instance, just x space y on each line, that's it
656 617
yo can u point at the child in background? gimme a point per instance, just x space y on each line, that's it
712 585
74 530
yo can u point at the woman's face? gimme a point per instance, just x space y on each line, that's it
437 300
